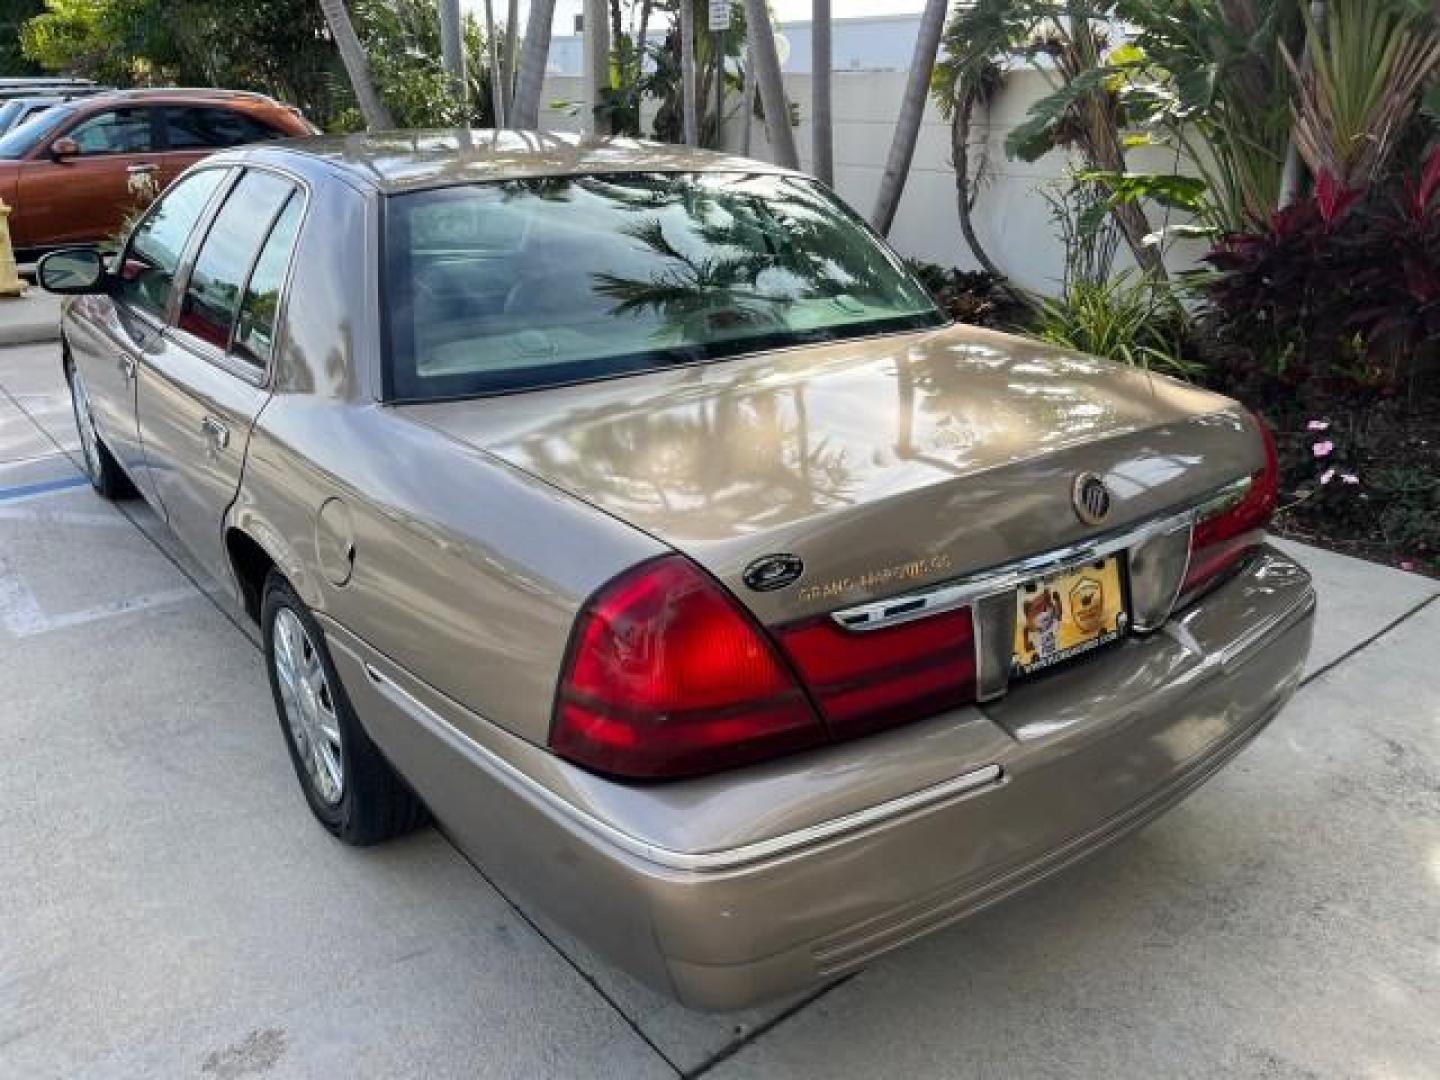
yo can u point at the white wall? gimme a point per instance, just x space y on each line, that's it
1012 218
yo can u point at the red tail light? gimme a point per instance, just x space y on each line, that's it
876 678
1225 537
668 676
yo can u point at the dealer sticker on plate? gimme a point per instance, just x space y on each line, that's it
1067 614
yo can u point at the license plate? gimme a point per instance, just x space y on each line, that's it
1067 614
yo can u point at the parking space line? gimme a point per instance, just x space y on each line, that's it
25 491
22 616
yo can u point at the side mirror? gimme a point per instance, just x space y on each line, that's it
72 271
64 147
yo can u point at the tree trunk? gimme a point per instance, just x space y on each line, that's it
821 124
1100 137
688 105
747 99
507 61
772 86
960 154
1294 171
1107 155
452 50
912 110
357 65
597 65
497 97
533 58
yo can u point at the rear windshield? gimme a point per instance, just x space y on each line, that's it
537 282
21 140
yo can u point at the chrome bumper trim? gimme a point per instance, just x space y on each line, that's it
961 592
730 858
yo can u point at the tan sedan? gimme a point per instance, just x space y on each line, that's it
635 512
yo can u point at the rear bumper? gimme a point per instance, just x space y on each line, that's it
1057 769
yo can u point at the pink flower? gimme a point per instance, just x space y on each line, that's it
1323 449
1349 478
1327 476
1318 425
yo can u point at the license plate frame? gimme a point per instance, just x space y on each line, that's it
1064 614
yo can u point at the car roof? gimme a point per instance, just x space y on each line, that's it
174 95
398 161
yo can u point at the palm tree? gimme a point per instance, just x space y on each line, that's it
497 97
597 66
688 105
507 61
960 86
822 133
357 65
772 87
912 110
533 59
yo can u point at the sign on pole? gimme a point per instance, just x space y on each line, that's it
719 15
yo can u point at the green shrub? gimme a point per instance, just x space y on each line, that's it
1129 319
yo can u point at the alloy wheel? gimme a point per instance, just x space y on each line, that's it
309 706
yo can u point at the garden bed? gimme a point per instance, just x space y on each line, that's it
1360 470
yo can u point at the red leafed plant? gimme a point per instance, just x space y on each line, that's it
1348 277
1394 250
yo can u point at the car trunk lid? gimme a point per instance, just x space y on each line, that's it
883 465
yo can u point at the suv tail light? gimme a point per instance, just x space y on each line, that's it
668 676
1223 538
878 678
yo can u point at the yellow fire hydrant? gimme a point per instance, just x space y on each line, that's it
10 283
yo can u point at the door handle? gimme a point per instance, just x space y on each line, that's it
141 168
216 432
126 363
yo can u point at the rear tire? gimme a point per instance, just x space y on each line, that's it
100 466
351 788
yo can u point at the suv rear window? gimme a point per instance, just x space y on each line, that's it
205 127
537 282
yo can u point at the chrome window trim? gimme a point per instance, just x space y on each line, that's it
227 360
730 858
966 590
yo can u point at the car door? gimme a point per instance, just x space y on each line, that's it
86 196
201 388
126 323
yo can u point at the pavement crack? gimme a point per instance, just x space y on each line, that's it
570 961
1364 644
764 1029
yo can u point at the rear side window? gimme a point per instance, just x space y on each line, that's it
147 270
255 329
229 250
201 128
115 131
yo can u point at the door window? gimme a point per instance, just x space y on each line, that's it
255 329
223 264
116 131
147 269
210 127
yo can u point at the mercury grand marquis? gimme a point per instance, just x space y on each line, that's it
635 513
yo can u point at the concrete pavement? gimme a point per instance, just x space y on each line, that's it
170 909
29 319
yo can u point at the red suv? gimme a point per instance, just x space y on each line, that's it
68 173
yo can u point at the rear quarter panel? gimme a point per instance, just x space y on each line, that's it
466 572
